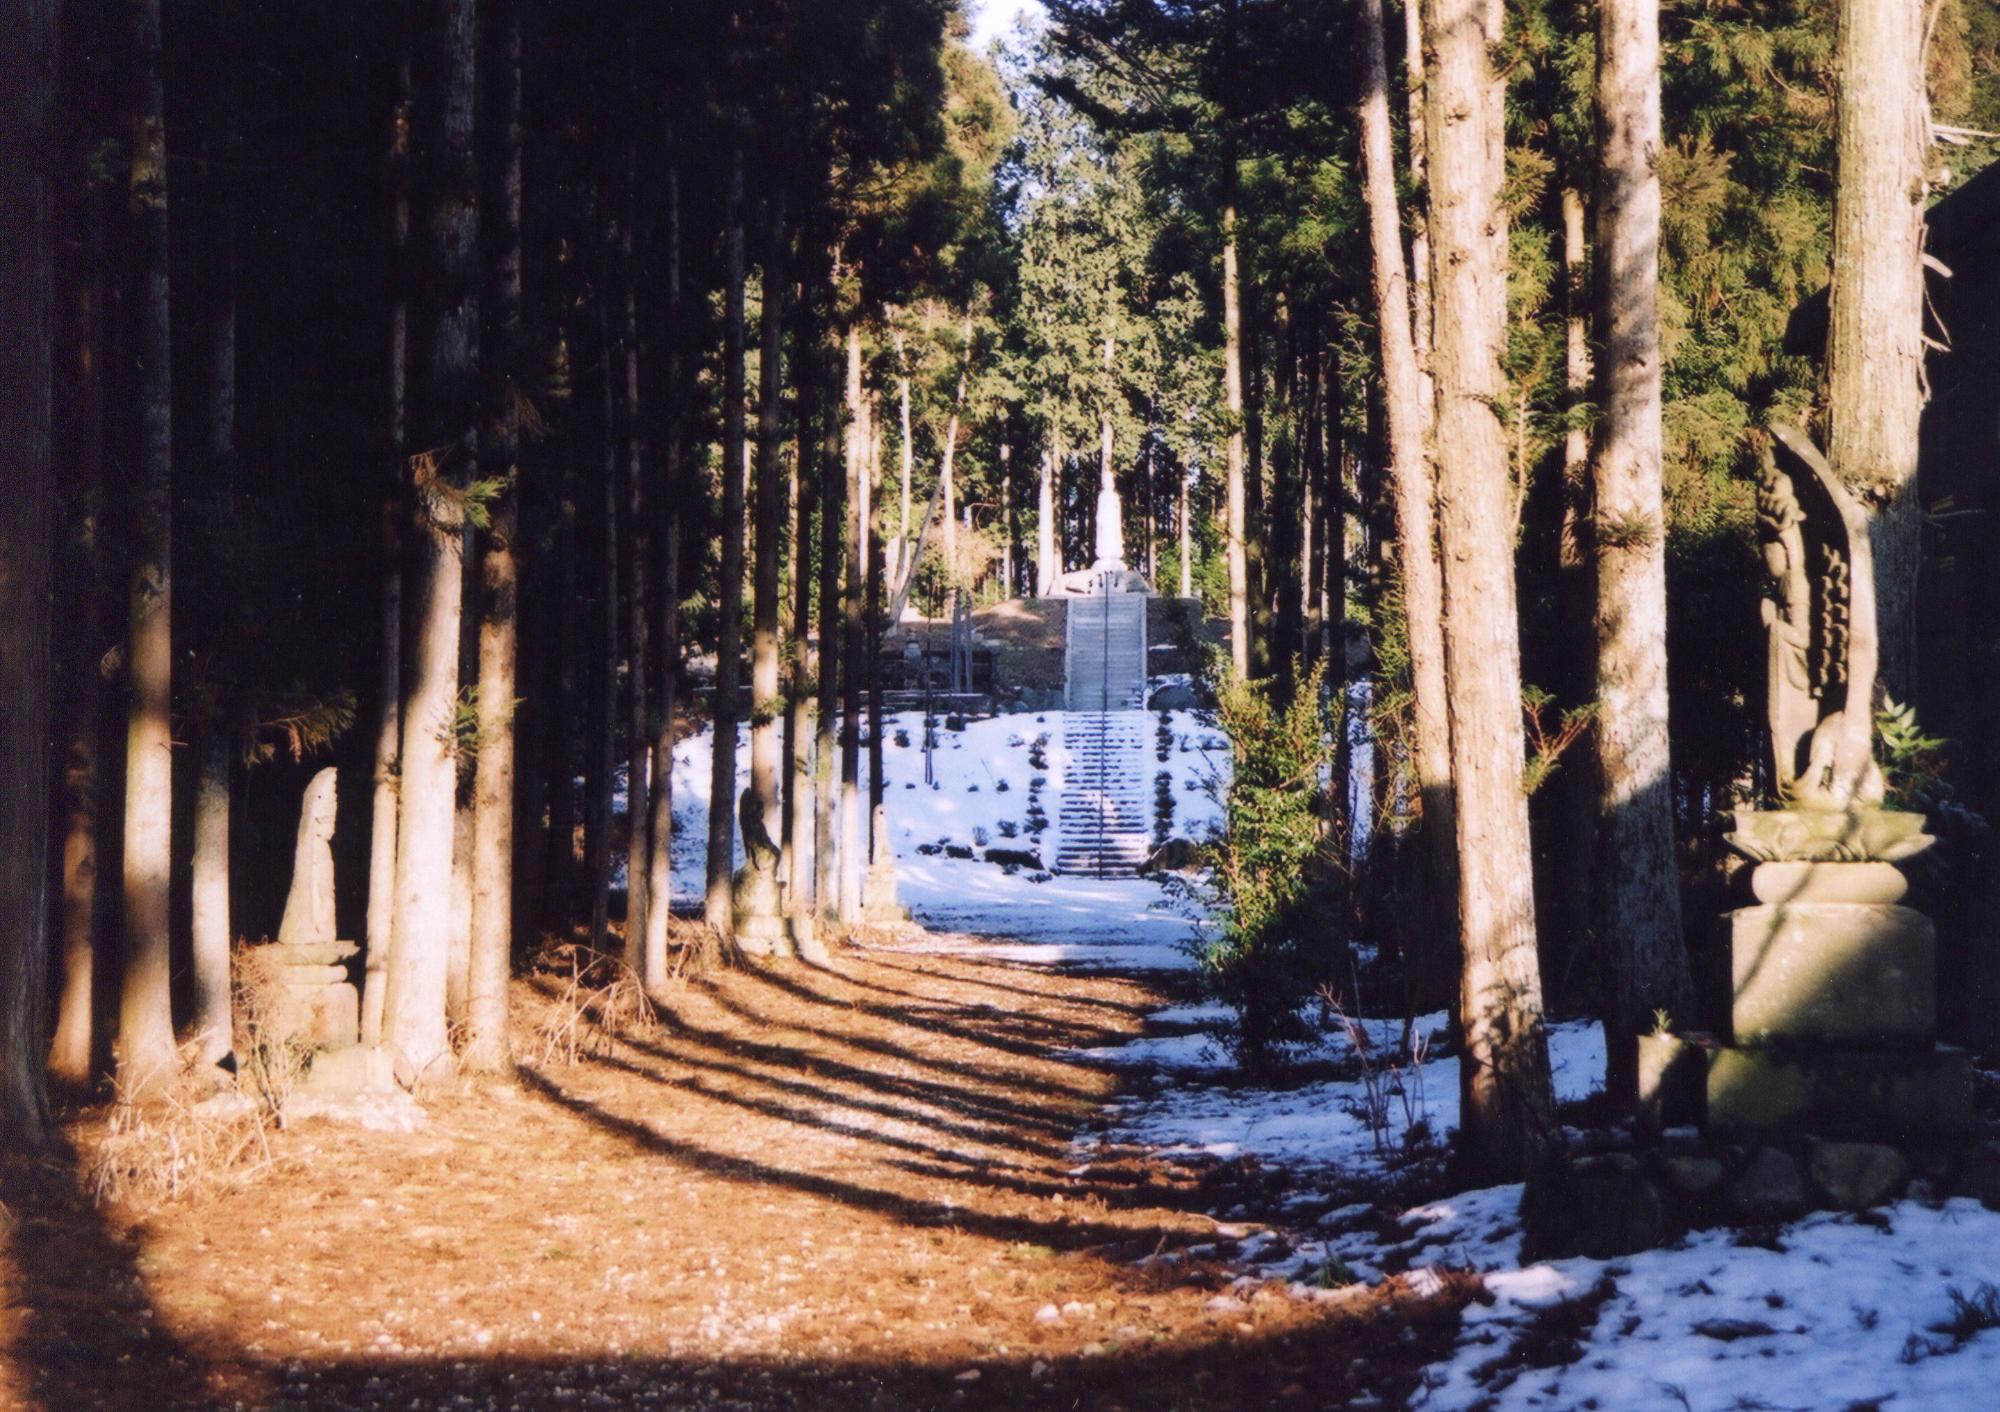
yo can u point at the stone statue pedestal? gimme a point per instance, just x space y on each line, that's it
316 1002
1823 993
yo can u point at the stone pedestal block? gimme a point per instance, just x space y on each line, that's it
1863 1095
1882 1096
1837 971
320 1014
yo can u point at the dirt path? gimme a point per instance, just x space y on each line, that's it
826 1189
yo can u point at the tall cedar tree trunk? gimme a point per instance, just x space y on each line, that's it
209 900
765 703
1421 307
729 591
1504 1078
638 820
1288 504
1186 538
414 1018
145 1012
493 788
796 847
603 729
1639 896
1874 350
27 549
1415 494
1236 526
667 532
380 921
73 1051
833 500
881 854
852 845
906 458
1048 564
948 487
1256 519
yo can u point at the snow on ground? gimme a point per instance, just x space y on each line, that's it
996 787
1331 1123
1850 1313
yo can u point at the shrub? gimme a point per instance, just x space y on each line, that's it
1257 955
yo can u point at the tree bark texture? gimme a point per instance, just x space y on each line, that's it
1638 888
1504 1077
27 552
667 530
853 846
499 620
728 667
1415 493
1236 528
145 1012
380 921
638 820
209 901
414 1016
765 703
833 497
1875 350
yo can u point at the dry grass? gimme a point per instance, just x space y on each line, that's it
592 1001
178 1141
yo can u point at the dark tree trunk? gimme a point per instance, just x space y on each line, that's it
380 925
765 703
729 591
833 499
27 545
603 727
638 740
493 798
667 536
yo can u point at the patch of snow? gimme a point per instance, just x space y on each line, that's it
981 797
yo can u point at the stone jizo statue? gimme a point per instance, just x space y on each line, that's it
309 916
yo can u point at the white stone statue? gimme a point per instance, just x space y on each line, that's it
309 906
1110 526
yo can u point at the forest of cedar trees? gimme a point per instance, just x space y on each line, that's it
501 400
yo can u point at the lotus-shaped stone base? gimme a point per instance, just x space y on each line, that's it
1858 835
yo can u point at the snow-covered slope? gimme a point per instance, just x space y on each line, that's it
975 840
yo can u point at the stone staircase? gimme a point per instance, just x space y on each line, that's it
1104 652
1105 827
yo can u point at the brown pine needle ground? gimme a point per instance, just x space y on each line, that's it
807 1188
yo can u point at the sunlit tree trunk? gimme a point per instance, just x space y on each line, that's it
1236 527
1638 889
27 543
722 781
765 703
209 900
145 1015
799 793
414 1016
1874 349
1415 494
493 797
1505 1103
